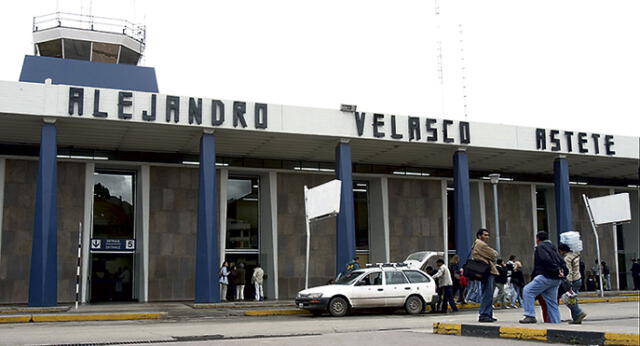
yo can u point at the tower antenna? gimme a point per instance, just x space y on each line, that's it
463 72
440 67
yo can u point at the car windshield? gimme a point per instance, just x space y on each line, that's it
418 256
349 278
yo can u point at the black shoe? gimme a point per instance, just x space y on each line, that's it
494 319
528 319
487 320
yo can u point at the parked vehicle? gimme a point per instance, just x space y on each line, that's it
378 286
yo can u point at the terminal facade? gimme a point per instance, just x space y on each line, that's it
95 160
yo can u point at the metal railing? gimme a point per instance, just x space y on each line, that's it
94 23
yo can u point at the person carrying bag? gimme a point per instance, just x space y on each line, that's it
482 267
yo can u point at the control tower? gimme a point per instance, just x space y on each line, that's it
89 51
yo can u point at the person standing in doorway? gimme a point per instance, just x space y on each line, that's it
635 273
606 276
224 280
549 268
240 282
481 251
257 279
233 277
444 280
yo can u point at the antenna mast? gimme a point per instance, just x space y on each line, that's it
463 72
439 55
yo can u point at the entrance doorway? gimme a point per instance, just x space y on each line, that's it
113 237
243 229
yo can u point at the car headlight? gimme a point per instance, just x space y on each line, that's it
315 295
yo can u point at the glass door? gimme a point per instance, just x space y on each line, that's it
112 242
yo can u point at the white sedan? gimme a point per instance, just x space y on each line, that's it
371 287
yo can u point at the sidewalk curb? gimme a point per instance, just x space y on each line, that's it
82 317
276 312
536 334
428 308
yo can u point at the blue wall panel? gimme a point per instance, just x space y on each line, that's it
207 257
563 195
36 69
43 277
345 223
462 205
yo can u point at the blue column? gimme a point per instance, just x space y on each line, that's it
462 205
563 195
43 278
207 257
345 223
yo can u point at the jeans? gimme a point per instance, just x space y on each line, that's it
518 295
240 292
575 308
486 307
259 294
223 292
548 289
473 291
448 298
500 297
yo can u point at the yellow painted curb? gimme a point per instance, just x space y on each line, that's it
447 328
15 319
523 333
622 294
97 317
275 312
30 311
624 299
621 339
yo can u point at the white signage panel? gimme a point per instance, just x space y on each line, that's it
609 209
323 199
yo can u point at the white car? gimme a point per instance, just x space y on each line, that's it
419 259
389 286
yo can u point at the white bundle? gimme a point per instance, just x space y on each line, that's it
572 239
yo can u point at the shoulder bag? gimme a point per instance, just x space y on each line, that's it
475 269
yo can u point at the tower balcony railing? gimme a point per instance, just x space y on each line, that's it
88 22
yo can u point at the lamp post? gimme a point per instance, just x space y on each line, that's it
495 177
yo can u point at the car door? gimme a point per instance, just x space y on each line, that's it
397 287
368 291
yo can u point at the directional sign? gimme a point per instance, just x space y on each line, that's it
121 245
96 244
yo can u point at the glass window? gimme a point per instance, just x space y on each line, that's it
127 56
541 210
51 48
349 278
77 49
395 278
415 276
361 211
372 279
105 52
113 205
242 213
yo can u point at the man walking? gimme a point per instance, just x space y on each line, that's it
501 281
481 251
549 268
444 280
572 261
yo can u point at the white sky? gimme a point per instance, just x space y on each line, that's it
571 65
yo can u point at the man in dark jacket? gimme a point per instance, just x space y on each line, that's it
635 273
549 269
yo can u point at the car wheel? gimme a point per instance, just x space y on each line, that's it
316 313
338 307
413 305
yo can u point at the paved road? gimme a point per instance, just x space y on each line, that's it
360 329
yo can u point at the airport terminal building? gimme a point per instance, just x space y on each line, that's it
95 160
